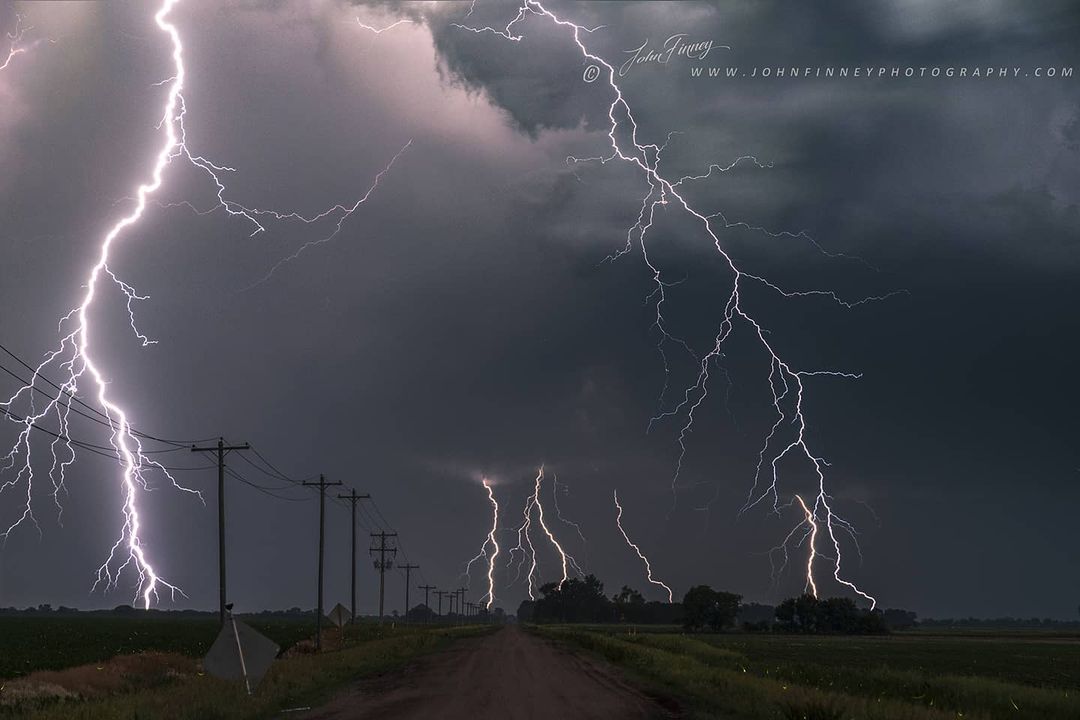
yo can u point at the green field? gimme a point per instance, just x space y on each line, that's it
896 677
153 686
52 643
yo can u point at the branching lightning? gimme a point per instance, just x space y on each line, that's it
528 550
786 383
564 519
74 358
15 42
648 565
77 362
484 552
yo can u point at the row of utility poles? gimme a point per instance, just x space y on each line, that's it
382 547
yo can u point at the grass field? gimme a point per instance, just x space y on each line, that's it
897 677
157 686
53 643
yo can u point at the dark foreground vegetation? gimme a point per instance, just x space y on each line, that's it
55 641
892 677
171 686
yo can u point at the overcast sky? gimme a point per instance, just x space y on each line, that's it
464 323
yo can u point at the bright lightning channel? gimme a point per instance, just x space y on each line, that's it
528 550
76 361
380 31
493 542
632 544
786 383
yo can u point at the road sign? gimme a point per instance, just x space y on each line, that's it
339 615
240 653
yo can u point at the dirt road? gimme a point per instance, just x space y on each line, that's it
510 675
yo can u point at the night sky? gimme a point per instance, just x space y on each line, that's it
464 323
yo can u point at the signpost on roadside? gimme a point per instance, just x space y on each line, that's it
240 653
340 616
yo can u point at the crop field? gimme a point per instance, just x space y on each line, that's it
169 686
896 677
53 643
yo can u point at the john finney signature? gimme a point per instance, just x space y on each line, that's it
677 45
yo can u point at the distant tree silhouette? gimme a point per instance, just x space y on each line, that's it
899 619
704 607
807 614
572 601
629 605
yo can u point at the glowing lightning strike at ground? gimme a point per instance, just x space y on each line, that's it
812 522
566 559
648 565
525 541
75 360
786 383
490 540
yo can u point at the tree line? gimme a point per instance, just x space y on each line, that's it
703 608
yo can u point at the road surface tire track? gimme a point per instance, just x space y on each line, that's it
508 675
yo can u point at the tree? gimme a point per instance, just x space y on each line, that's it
629 605
576 600
807 614
899 619
705 607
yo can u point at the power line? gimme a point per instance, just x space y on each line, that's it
102 418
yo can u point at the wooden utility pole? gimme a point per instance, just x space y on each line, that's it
441 594
426 589
221 448
407 568
382 564
461 601
353 498
322 485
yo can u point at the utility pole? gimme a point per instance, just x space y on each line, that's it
221 448
426 589
382 564
353 498
461 602
441 594
322 485
407 568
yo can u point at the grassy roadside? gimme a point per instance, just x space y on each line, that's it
299 680
722 682
33 643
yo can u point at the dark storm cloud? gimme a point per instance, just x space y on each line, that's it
463 324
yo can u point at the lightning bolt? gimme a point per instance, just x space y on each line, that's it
16 44
805 532
76 360
14 38
567 561
525 541
785 381
648 565
380 31
493 542
571 523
